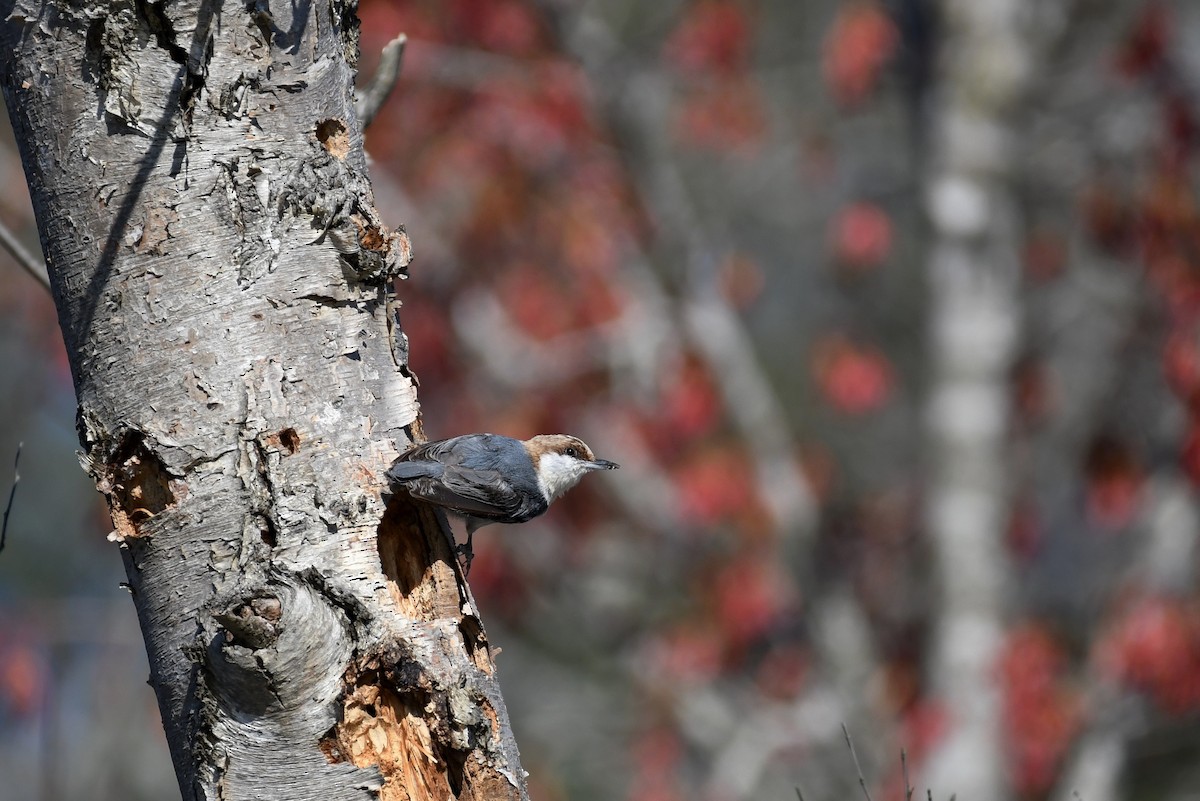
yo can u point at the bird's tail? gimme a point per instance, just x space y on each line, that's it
403 471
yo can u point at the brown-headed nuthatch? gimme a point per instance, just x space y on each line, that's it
488 478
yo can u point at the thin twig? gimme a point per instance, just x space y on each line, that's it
799 795
22 256
857 767
375 93
12 493
908 790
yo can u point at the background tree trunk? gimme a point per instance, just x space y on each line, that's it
222 281
974 275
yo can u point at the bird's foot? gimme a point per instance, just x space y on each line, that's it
465 554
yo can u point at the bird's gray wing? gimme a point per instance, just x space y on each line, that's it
446 473
479 493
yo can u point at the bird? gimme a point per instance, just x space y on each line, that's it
491 478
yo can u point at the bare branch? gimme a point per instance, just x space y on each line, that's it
857 767
908 789
23 257
375 94
12 493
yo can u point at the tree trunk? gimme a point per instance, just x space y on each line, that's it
223 285
974 325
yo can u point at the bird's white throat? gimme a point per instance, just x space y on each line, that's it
558 473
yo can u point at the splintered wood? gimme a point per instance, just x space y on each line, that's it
380 729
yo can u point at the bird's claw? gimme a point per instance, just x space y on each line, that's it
465 554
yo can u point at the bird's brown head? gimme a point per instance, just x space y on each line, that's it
561 460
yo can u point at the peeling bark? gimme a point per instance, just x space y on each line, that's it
223 282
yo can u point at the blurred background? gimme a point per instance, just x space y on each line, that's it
890 311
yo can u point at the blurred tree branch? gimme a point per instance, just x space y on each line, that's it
23 257
12 494
638 113
372 97
974 330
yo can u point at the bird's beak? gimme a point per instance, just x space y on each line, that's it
603 464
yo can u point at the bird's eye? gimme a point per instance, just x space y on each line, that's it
571 452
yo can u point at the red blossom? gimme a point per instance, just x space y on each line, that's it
690 403
1045 255
1042 712
588 247
656 757
741 279
750 594
861 236
1181 366
535 303
1114 482
381 22
496 579
721 115
820 470
713 35
783 671
923 726
1024 531
1108 217
1190 455
688 653
714 485
1154 646
1177 281
598 301
425 326
505 26
1032 391
855 379
21 680
856 48
1181 128
1168 204
561 100
1145 48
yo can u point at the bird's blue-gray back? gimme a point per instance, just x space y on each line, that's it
477 476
